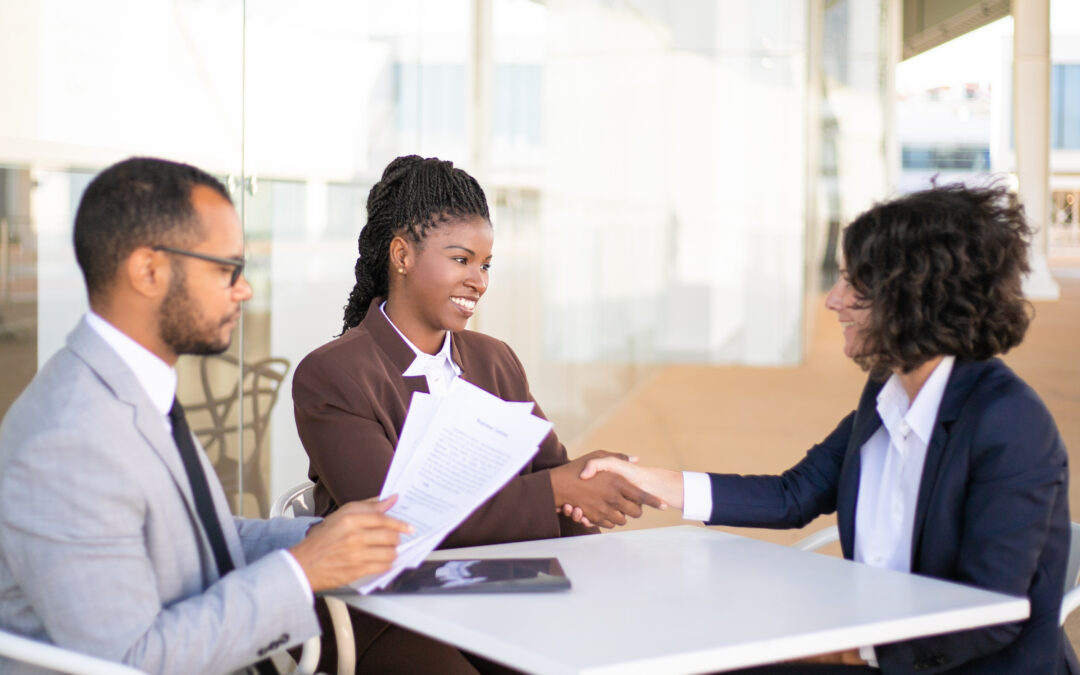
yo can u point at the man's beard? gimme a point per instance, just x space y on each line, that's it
180 325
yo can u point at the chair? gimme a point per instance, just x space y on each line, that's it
298 501
25 650
818 539
1069 602
215 418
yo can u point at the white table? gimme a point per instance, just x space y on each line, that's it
686 599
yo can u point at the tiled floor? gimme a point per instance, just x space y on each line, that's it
762 420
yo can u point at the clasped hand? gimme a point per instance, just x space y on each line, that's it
603 499
662 487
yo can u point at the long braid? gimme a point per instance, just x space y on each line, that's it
413 196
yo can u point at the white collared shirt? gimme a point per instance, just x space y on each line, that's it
159 379
439 369
891 467
155 376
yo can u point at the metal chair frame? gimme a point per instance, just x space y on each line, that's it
33 652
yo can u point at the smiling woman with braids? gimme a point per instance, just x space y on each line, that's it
424 258
951 466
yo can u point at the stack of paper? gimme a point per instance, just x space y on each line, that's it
455 451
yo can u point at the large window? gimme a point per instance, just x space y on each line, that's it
1065 106
945 158
653 175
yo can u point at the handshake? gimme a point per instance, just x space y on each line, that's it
603 488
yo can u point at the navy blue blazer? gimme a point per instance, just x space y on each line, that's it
992 511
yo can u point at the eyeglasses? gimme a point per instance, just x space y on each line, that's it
236 263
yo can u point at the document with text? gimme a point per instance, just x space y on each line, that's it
454 453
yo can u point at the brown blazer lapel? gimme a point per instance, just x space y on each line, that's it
387 339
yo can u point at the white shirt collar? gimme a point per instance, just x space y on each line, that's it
424 362
900 415
156 377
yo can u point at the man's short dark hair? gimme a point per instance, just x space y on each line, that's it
140 201
941 271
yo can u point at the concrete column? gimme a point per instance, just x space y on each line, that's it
481 83
1031 133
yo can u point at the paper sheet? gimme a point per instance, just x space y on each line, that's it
454 452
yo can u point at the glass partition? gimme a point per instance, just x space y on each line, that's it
90 84
662 176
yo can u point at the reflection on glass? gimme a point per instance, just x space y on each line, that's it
96 83
657 192
18 284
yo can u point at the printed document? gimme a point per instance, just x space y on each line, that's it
454 453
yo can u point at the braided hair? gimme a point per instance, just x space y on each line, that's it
413 196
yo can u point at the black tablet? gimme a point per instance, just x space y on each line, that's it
491 575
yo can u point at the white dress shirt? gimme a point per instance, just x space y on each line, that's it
159 379
439 369
891 466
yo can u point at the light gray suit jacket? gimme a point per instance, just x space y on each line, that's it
101 549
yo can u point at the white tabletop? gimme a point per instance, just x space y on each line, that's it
685 600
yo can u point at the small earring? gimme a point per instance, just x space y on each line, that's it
401 270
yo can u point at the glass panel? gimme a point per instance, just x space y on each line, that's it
316 142
645 161
853 104
18 283
95 83
1065 106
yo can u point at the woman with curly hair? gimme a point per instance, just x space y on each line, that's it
951 466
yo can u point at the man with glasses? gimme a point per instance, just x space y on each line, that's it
115 535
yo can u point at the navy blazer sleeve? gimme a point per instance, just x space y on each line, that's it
792 499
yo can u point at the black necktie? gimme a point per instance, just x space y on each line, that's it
200 489
204 505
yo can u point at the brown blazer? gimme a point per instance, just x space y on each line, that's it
350 401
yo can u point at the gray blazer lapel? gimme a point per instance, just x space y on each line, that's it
86 344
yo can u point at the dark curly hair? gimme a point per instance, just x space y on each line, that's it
413 196
941 272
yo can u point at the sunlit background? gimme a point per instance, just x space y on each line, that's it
668 179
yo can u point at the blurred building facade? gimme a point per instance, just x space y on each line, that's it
961 128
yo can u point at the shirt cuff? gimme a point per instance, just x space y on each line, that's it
299 572
697 496
869 655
